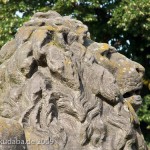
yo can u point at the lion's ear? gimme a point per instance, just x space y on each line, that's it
101 82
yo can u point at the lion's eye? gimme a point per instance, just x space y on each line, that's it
106 54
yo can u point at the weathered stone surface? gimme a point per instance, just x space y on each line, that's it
12 135
68 91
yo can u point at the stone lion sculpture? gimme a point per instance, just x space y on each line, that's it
60 87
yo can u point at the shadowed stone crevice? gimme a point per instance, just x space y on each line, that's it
48 38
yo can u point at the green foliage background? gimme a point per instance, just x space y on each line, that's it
125 24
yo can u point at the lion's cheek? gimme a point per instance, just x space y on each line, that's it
101 83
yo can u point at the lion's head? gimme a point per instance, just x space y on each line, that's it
64 87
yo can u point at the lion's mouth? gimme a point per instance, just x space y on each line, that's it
131 93
134 97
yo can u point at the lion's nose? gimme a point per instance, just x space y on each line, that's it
140 69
